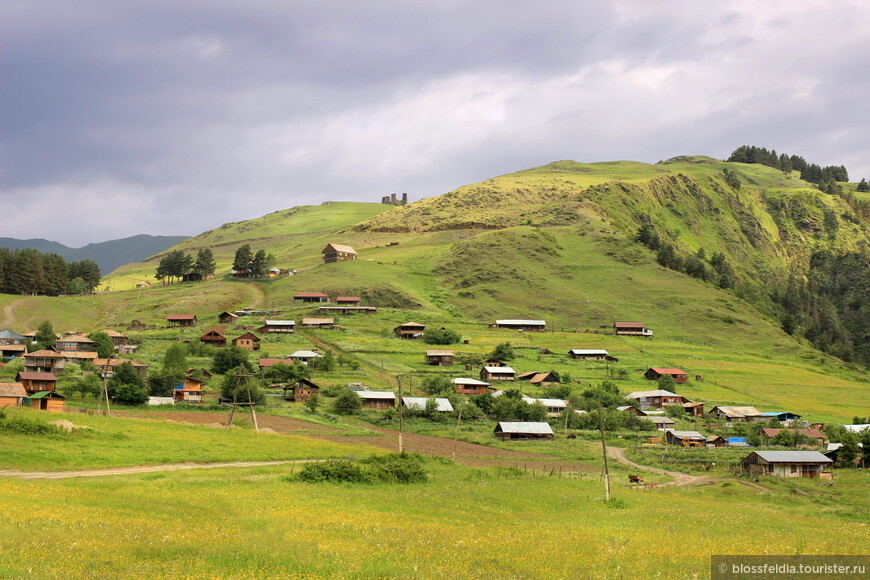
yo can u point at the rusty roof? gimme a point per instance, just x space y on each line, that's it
662 371
811 433
338 248
12 390
33 376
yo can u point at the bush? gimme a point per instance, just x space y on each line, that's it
334 471
441 336
397 468
438 385
502 351
25 426
347 403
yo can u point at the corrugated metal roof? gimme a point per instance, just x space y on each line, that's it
687 434
419 404
517 322
310 295
525 427
305 354
793 457
340 248
662 371
739 411
31 376
811 433
280 323
437 352
470 382
554 403
656 393
181 317
12 390
412 325
500 370
857 428
376 394
628 324
588 351
318 320
44 394
659 420
8 334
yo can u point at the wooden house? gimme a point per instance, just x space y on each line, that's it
9 351
301 391
685 438
348 301
441 358
318 322
655 373
311 298
347 309
247 341
409 330
119 339
661 422
544 379
812 464
523 430
214 337
591 354
12 394
78 357
470 386
442 405
658 398
46 401
107 366
182 320
554 406
188 391
695 409
278 327
737 414
631 329
716 441
492 374
377 400
10 337
227 317
524 325
815 436
44 361
75 343
34 382
337 253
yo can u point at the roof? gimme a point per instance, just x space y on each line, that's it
44 394
7 334
305 354
536 428
419 404
213 331
247 335
695 404
560 403
114 362
811 433
541 377
311 295
437 352
779 413
739 411
81 354
267 362
12 390
280 322
686 434
384 395
347 299
792 457
655 393
44 354
338 248
181 317
500 370
518 322
856 428
75 338
662 371
12 347
659 420
225 313
470 382
30 376
318 320
412 324
113 333
628 324
588 351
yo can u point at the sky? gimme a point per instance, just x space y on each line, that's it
172 118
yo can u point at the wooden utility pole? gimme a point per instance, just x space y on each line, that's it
604 453
456 431
401 417
250 404
106 384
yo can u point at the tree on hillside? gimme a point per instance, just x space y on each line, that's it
103 344
666 383
234 385
160 383
502 351
205 265
258 264
441 336
242 260
87 270
175 361
286 373
438 385
126 386
229 358
45 337
347 402
54 271
862 185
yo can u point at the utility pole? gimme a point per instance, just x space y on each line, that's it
456 431
106 384
604 453
401 417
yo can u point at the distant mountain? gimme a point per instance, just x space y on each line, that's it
108 255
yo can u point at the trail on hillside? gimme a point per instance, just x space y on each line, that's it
140 469
680 479
8 318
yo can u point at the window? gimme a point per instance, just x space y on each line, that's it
794 468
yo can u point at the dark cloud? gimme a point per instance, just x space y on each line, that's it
175 117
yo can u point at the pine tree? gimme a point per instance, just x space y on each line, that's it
205 265
862 185
242 260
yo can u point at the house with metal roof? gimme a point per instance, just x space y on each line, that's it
812 464
519 324
9 351
468 386
492 374
304 356
631 329
10 337
554 406
815 436
591 354
685 438
318 322
36 381
278 327
377 400
442 405
655 373
440 357
46 401
658 398
311 297
523 430
12 394
181 319
737 414
338 253
661 422
410 330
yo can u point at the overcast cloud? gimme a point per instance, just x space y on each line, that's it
167 117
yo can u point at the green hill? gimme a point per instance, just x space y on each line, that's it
555 242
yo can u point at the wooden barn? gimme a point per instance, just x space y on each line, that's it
492 374
12 394
301 391
441 358
631 329
227 317
46 401
470 386
318 322
337 253
278 327
695 409
214 337
524 325
523 430
181 319
733 414
811 464
247 341
655 373
377 400
591 354
409 331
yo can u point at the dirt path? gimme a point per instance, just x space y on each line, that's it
680 479
139 469
8 317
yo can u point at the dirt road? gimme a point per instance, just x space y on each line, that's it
680 479
139 469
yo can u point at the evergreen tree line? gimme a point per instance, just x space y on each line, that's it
28 271
717 270
176 265
248 264
810 172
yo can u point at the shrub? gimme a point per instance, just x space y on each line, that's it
397 468
26 426
334 471
438 385
441 336
502 351
347 403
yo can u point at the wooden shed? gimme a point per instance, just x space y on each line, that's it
311 298
492 374
685 438
377 400
181 319
523 430
318 322
470 386
214 337
278 327
441 358
301 391
655 373
46 401
519 324
591 354
247 341
227 317
338 253
12 394
348 300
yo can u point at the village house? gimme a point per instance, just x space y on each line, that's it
441 358
716 441
631 329
10 337
814 436
442 405
524 325
661 422
591 354
301 391
265 363
188 391
685 438
44 361
107 366
377 400
347 309
492 374
247 341
783 417
466 386
183 320
12 394
318 322
554 406
658 398
695 409
737 414
34 382
311 298
75 343
337 253
409 330
46 401
543 379
348 300
278 327
507 430
811 464
78 357
214 337
118 339
9 351
227 317
304 356
655 373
